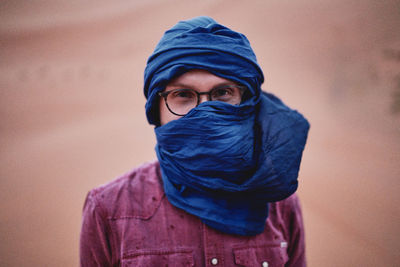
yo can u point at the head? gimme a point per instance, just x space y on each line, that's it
200 54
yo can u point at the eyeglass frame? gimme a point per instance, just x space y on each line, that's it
164 95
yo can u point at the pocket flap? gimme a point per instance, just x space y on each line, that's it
265 256
171 258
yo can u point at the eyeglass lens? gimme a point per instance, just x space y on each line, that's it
181 101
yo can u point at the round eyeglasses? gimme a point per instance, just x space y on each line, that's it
181 101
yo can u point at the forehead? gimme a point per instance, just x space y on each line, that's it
198 78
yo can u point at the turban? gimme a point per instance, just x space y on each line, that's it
220 162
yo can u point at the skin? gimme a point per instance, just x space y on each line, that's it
199 80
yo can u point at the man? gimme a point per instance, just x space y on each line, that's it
222 190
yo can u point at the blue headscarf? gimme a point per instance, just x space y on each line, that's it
221 162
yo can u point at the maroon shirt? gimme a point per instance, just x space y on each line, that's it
129 222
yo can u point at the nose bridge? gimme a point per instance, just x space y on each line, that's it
203 97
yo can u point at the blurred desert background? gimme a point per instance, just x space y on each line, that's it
72 114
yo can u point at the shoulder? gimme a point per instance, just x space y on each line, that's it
286 215
284 210
289 203
137 177
128 194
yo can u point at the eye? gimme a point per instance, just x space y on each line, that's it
222 92
182 94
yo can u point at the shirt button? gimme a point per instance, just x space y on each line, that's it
265 264
214 261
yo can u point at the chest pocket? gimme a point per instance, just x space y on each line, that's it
261 256
165 258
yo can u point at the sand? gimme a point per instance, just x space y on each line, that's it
72 114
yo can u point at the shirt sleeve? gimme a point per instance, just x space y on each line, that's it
94 242
295 228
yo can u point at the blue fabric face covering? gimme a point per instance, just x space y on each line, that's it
220 162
